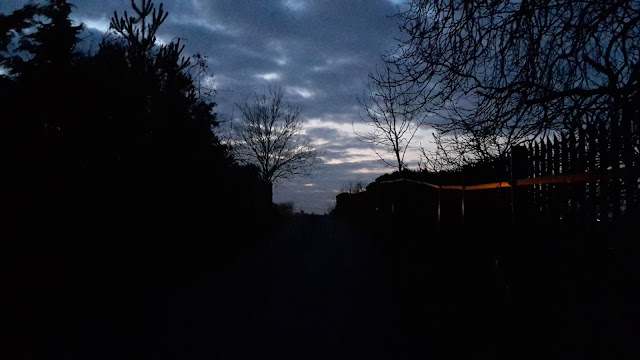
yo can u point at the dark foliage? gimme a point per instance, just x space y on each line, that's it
487 171
114 181
118 139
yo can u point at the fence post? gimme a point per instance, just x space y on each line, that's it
544 188
614 150
581 168
592 167
530 191
625 127
573 165
604 141
439 201
535 174
564 169
519 167
378 212
554 169
464 167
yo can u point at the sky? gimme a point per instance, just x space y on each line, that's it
319 52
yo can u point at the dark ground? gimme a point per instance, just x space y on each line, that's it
316 288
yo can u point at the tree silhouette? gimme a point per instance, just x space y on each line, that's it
391 121
269 135
139 31
353 187
502 73
14 24
38 93
119 139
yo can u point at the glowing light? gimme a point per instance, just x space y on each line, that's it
269 76
161 40
295 5
332 63
101 24
304 92
370 171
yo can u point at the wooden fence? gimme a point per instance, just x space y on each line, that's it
582 177
588 174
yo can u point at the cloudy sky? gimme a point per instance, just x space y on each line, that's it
318 52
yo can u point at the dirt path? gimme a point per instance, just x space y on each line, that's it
319 290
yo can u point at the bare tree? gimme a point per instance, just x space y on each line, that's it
499 73
391 121
140 31
269 134
446 154
354 187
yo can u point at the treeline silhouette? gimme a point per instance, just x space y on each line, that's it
113 179
117 141
114 182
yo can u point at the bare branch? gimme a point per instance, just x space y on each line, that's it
499 73
269 135
391 121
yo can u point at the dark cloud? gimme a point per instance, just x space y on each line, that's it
319 52
336 144
339 151
324 133
322 48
